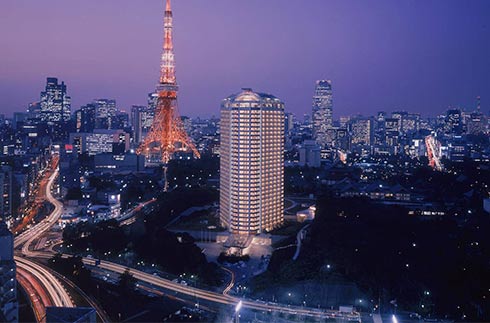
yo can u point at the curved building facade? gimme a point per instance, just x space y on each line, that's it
251 162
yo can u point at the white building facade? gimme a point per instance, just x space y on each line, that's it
252 163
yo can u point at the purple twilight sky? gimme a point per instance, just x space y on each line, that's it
421 56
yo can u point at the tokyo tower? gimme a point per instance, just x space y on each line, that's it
167 134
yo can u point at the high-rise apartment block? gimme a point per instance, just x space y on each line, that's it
9 308
252 163
322 112
55 103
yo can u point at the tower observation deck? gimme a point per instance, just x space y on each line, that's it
167 134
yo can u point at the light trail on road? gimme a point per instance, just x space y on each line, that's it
232 280
129 217
433 153
53 287
39 299
210 296
29 236
42 286
40 198
216 297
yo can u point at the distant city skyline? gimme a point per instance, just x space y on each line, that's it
413 55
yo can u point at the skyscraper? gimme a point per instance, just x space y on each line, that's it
288 123
399 115
85 118
477 123
362 131
105 113
322 111
55 103
251 163
410 123
9 308
152 101
391 133
453 122
6 194
141 121
34 110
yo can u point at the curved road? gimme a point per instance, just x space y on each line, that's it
209 295
48 288
29 236
39 299
220 298
53 287
299 239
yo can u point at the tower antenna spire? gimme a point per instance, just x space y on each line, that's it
167 63
167 134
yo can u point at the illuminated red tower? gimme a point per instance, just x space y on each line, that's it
167 134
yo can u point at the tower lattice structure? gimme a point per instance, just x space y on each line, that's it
167 134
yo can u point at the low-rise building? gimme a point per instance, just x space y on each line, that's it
309 154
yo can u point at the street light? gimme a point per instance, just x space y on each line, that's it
237 311
238 307
394 319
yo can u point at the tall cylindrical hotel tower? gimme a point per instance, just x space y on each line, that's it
252 162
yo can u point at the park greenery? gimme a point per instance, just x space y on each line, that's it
398 259
149 239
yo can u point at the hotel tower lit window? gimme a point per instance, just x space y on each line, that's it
252 163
